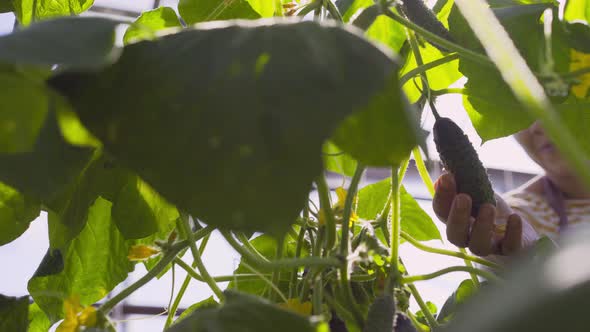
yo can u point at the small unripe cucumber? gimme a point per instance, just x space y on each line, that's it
417 12
460 158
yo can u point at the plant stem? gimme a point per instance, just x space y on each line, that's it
446 91
427 314
276 273
522 81
423 171
345 245
427 66
197 259
261 262
445 252
394 232
317 297
326 210
195 275
575 73
464 52
295 272
168 257
428 276
309 8
271 284
333 10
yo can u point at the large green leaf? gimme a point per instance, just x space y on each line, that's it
384 133
150 22
38 321
265 8
14 313
336 160
16 212
245 162
49 169
577 10
94 263
89 43
387 32
454 301
244 313
195 11
138 211
23 105
414 221
490 103
575 114
541 295
28 11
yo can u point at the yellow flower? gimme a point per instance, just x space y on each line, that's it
72 322
298 307
141 252
338 209
580 60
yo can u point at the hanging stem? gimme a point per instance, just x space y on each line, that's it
197 258
276 273
345 245
298 248
427 314
420 69
411 279
423 171
395 231
445 252
263 263
436 93
464 52
326 210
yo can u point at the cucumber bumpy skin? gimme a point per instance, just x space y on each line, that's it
460 158
417 12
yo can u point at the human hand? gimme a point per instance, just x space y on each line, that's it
483 235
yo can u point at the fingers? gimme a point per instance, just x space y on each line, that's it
459 220
445 191
480 242
512 241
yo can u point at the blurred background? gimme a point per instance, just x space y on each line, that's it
145 310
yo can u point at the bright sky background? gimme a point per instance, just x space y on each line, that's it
21 257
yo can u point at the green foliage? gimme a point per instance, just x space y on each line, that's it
372 200
149 23
90 43
24 105
16 212
250 140
29 11
207 303
490 103
14 313
456 299
419 13
267 247
335 160
577 10
94 263
38 321
244 313
195 11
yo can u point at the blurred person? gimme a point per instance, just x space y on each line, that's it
547 205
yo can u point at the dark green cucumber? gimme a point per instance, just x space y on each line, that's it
417 12
460 158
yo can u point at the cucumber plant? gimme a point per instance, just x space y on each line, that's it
138 151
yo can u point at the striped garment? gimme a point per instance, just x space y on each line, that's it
536 211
